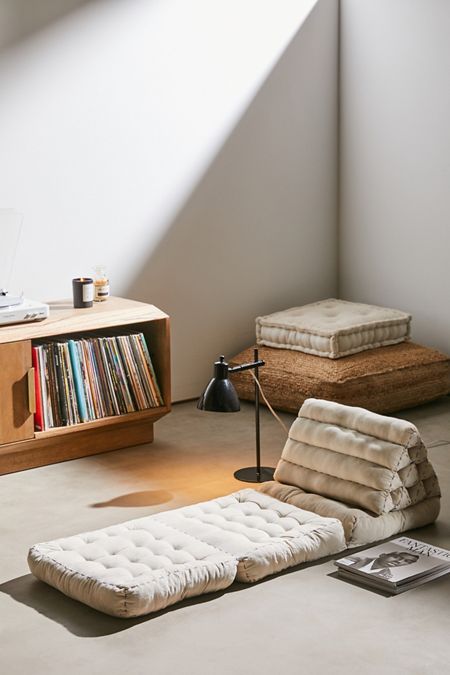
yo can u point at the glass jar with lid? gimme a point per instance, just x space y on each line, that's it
101 284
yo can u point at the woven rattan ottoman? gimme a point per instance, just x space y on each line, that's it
383 380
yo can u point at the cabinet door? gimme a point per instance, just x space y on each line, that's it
16 420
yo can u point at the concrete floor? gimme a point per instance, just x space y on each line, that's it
303 621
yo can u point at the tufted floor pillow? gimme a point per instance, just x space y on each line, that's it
383 380
144 565
333 328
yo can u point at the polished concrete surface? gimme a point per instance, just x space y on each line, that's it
303 621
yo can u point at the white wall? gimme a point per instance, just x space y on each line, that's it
189 146
395 159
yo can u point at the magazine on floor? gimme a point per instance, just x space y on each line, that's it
395 566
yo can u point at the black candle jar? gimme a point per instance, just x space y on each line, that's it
83 292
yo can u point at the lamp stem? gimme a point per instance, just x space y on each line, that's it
257 425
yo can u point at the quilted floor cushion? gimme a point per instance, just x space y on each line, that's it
262 533
382 380
360 527
144 565
333 328
370 471
358 457
133 568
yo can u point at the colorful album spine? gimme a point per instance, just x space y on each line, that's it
38 416
78 381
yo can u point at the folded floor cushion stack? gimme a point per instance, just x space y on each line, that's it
347 352
346 477
370 471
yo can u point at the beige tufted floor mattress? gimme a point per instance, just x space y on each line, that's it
144 565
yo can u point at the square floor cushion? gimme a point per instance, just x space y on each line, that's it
383 380
333 328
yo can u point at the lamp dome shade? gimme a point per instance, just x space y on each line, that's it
220 394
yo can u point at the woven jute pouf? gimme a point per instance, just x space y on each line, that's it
384 380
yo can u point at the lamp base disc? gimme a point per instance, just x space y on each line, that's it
248 475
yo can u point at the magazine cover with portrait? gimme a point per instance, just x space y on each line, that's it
397 561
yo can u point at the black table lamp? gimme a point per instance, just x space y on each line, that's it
220 396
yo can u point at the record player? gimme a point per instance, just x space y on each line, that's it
14 308
20 310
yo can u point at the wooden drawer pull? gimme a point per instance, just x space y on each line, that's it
31 391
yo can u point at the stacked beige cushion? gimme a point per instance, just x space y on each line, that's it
144 565
369 361
346 477
369 471
383 380
333 328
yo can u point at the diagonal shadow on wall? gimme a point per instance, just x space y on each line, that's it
258 233
21 18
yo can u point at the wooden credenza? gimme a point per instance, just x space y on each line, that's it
21 447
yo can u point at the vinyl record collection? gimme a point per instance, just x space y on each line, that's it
80 380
